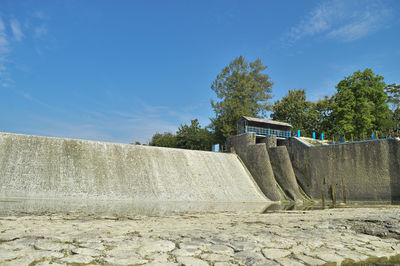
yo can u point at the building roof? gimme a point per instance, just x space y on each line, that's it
265 121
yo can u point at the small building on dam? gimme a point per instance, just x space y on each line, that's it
264 128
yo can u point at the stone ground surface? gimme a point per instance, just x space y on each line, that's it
332 236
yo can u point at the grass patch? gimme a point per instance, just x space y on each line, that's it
393 260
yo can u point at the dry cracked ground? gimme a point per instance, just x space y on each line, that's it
333 236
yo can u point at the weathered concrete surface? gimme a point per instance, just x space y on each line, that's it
283 172
270 141
256 159
394 169
43 167
367 235
270 166
8 206
366 171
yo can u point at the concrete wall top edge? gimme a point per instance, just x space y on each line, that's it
104 142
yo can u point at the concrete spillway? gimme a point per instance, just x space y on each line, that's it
257 160
283 172
43 167
270 166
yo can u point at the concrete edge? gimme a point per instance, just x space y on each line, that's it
303 142
252 179
130 200
103 142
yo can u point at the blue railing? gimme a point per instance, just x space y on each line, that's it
267 132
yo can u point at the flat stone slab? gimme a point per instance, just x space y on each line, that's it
190 261
46 244
186 252
220 249
275 253
6 255
43 254
252 258
215 257
150 246
161 264
77 259
125 260
220 239
86 251
309 260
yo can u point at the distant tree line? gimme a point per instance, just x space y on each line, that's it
363 103
192 137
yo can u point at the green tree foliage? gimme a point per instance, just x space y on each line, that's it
294 109
242 89
191 137
360 105
393 95
396 122
320 118
164 140
393 99
194 137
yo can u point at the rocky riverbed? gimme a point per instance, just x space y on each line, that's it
331 236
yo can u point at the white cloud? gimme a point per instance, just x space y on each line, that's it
3 43
116 125
2 27
342 20
4 48
365 23
40 31
34 27
107 127
39 14
16 29
3 39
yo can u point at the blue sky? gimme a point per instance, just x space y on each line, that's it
122 70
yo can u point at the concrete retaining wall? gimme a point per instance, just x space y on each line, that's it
367 171
269 165
256 158
42 167
283 172
394 168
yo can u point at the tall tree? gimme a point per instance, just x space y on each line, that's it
393 95
191 137
320 117
360 105
293 108
393 99
194 137
164 140
242 90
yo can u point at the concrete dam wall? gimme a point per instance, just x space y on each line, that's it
269 165
256 158
44 167
283 172
364 171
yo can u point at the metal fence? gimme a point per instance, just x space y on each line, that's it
267 132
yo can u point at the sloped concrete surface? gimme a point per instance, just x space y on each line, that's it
42 167
256 158
283 172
